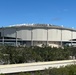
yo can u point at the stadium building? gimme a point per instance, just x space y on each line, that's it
37 35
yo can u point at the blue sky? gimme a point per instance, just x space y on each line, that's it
57 12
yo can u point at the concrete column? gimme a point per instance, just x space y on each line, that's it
3 35
31 36
71 37
47 37
16 36
61 37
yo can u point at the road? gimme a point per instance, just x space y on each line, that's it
25 67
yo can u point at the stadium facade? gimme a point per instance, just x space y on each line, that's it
37 35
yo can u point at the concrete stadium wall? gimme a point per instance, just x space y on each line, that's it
39 34
74 35
54 35
26 34
66 35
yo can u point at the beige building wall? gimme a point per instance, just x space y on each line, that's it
54 34
39 34
26 34
66 35
74 35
